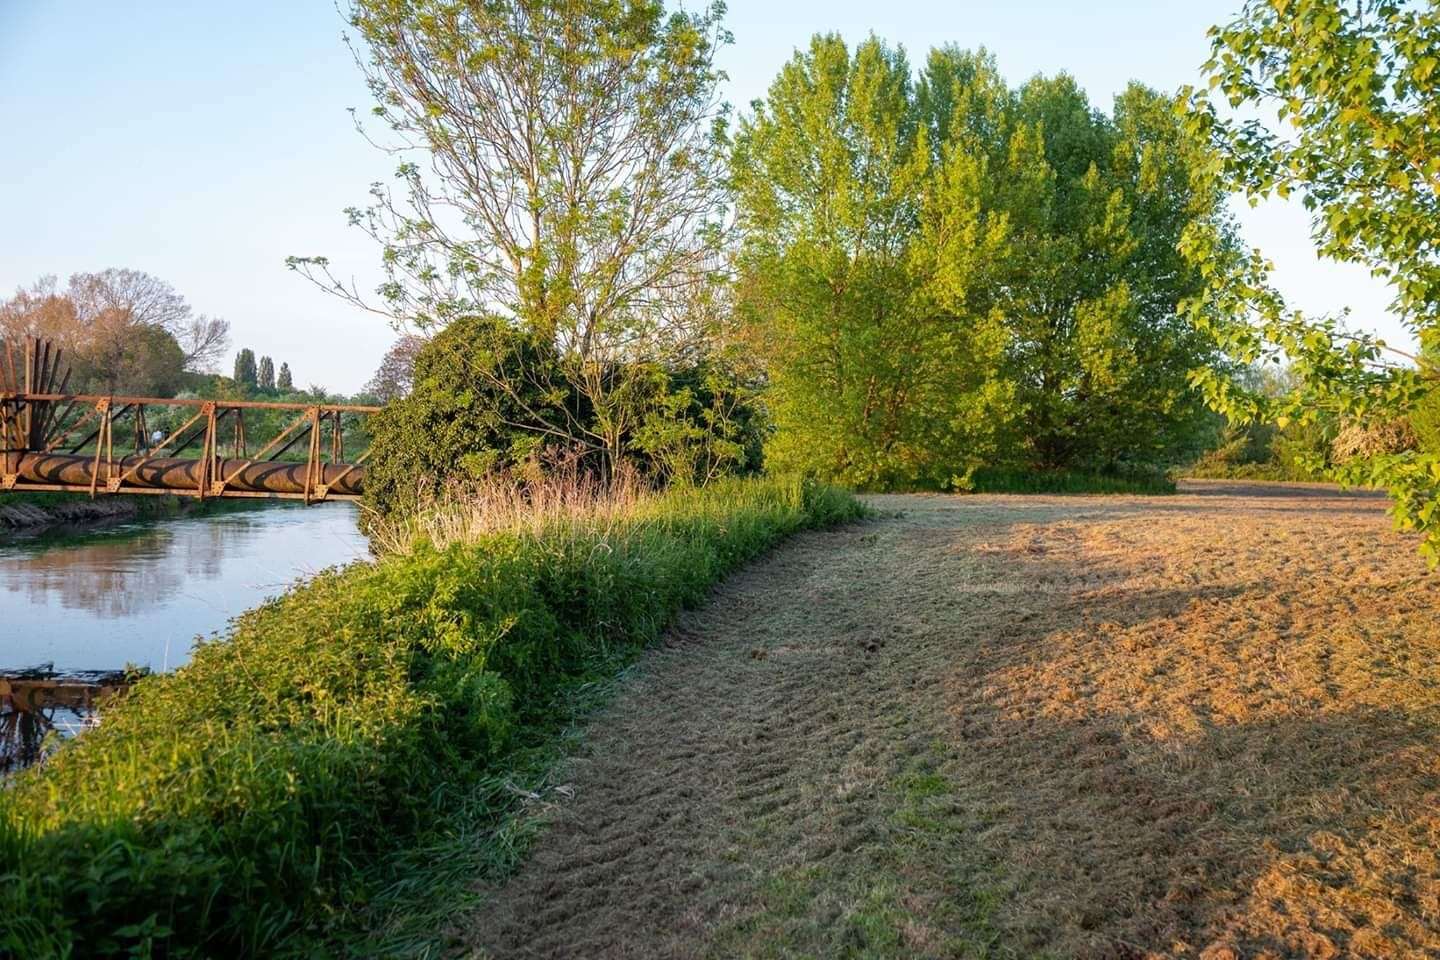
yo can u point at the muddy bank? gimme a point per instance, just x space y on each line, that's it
36 515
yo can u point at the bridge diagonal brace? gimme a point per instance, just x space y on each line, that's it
204 411
295 424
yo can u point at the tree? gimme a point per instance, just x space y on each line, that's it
453 426
141 359
266 376
146 300
396 373
204 341
43 311
1089 279
118 329
570 180
283 381
869 383
245 376
952 273
1353 87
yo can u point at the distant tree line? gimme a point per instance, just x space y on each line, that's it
251 377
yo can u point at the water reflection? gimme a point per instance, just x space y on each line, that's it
140 594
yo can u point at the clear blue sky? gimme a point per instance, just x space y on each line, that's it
203 142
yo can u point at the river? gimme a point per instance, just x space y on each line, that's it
140 593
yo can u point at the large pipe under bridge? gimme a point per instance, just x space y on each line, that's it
51 440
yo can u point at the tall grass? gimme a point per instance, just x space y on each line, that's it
241 801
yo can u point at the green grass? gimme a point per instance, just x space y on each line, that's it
1005 480
1272 471
270 792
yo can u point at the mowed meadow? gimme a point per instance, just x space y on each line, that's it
904 517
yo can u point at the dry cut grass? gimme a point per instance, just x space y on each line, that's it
1200 726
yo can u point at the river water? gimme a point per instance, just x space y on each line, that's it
141 593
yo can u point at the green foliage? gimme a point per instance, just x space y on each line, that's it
870 383
1425 418
266 377
952 273
1010 480
246 798
487 397
704 422
1261 450
144 359
283 381
246 375
1353 88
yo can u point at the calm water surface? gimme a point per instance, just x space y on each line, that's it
141 593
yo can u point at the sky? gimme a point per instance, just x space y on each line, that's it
205 142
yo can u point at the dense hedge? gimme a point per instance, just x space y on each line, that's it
222 808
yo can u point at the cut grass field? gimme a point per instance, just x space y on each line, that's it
1205 725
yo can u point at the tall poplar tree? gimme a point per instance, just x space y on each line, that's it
245 373
870 383
562 169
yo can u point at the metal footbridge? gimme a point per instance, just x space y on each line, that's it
51 440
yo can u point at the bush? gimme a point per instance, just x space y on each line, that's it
226 807
1263 451
1425 420
488 399
459 422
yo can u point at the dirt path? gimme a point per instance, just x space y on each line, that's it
1199 726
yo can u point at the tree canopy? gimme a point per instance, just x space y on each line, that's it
121 330
561 173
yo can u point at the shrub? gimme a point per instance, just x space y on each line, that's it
488 398
1298 452
1358 441
1425 420
479 403
226 807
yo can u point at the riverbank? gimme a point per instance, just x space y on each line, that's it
256 794
28 513
32 512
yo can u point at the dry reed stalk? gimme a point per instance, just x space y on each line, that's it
563 494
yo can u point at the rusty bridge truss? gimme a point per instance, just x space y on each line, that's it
55 441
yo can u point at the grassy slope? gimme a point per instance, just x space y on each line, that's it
245 799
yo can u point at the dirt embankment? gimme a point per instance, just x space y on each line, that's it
25 515
1198 726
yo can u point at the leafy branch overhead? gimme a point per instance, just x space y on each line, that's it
1334 103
